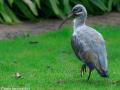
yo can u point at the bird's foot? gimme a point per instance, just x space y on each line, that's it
83 69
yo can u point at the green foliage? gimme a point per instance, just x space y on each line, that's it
13 11
51 63
55 8
100 4
27 12
116 4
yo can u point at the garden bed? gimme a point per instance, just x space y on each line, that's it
11 31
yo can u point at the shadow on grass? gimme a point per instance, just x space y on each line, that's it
103 82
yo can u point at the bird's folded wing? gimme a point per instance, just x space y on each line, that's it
82 50
99 48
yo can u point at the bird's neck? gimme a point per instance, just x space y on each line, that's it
79 21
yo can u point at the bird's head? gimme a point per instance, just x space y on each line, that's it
77 11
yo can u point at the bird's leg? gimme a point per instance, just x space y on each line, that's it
89 74
83 69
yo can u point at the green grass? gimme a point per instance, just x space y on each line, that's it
52 65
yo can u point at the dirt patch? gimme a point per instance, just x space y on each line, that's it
11 31
111 18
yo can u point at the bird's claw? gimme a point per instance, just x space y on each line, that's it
83 69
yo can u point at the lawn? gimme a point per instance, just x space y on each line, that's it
51 64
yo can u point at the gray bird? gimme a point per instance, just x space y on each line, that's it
87 43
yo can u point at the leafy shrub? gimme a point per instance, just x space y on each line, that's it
14 11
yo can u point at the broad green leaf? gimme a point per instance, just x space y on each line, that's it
11 14
10 2
32 6
75 1
66 5
25 10
56 9
3 13
100 4
38 3
1 2
116 4
110 5
88 5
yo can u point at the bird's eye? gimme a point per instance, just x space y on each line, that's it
79 10
75 10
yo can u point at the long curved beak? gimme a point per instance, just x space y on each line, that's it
68 17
